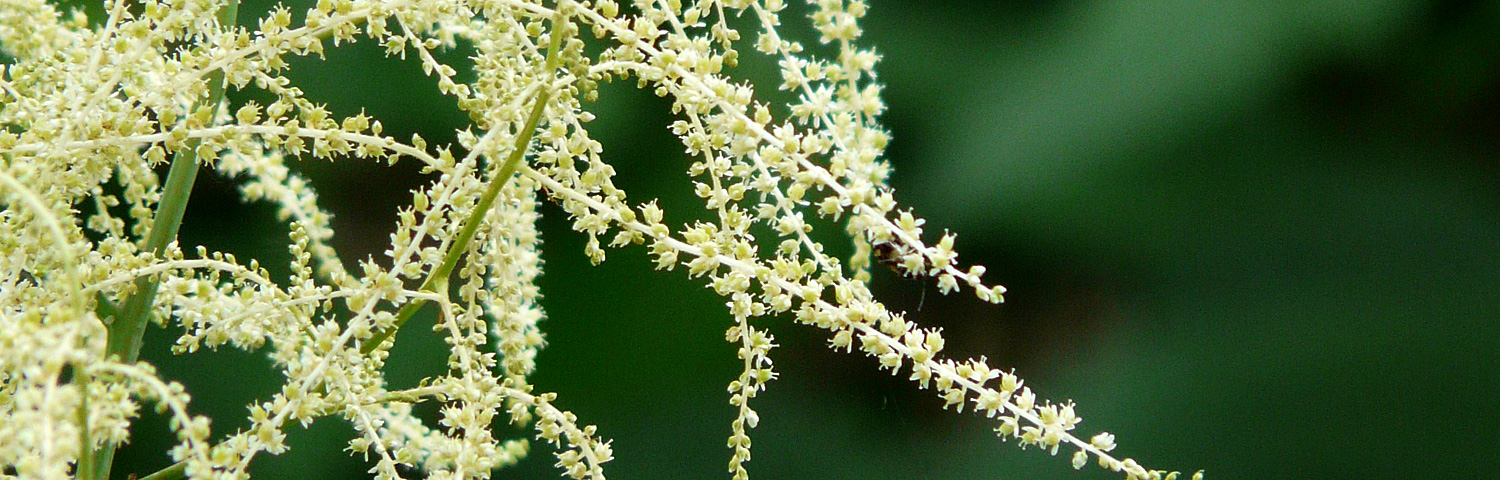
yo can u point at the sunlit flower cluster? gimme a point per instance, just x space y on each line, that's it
91 106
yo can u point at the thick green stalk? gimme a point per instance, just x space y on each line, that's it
129 326
174 472
126 331
438 278
85 441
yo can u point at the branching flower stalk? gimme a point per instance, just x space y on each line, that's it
88 257
438 279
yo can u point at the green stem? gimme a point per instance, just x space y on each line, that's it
86 464
438 278
126 331
129 326
174 472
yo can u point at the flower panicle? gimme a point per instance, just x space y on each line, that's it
91 105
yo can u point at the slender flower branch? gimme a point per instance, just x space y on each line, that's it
437 280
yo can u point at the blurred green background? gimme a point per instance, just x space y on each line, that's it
1256 238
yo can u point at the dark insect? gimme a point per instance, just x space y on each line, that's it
892 256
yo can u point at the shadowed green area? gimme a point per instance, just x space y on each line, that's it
1261 239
